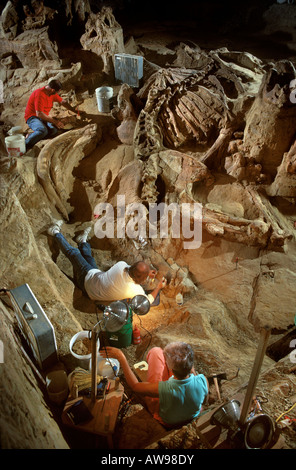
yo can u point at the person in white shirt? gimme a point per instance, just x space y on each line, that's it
120 282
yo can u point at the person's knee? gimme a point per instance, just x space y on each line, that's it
42 132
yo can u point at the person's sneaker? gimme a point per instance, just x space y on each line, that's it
84 236
55 227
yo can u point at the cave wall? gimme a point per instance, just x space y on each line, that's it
222 325
26 420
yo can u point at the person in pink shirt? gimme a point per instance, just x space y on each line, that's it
173 391
37 111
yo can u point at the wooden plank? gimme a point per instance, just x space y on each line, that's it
104 412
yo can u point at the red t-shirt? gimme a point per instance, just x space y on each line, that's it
40 101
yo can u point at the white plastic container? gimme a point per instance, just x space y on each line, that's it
83 361
15 145
103 96
106 369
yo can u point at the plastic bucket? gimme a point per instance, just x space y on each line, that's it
15 145
16 130
123 337
57 386
104 95
83 360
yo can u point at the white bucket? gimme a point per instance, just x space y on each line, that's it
103 95
15 145
57 386
15 130
83 361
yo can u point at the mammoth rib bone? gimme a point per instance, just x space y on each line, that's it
53 165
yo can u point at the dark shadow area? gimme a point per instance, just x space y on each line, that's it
282 347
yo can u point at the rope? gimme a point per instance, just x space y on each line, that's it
80 379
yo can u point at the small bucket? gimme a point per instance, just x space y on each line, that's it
83 361
57 386
15 145
104 97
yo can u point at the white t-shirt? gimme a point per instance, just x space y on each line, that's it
114 284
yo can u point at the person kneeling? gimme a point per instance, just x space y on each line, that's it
174 393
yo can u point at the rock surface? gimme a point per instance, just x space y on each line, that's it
239 280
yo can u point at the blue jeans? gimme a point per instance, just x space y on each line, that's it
81 259
40 130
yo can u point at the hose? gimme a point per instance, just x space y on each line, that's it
285 412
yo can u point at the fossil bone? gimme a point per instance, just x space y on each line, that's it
57 159
103 36
208 106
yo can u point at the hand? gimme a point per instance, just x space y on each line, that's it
59 124
162 283
109 351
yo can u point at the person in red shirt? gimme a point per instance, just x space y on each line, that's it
37 112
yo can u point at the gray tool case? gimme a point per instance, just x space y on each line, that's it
35 326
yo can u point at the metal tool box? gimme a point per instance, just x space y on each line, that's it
35 326
129 69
